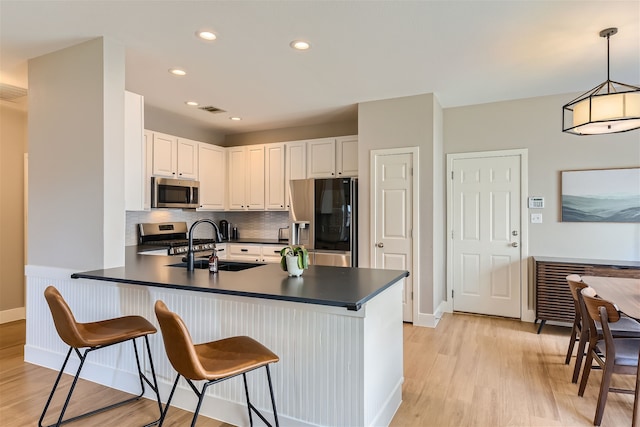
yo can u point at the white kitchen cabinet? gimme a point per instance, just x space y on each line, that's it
244 252
347 156
246 177
187 159
321 158
332 157
295 165
253 252
174 157
163 147
274 188
221 251
255 177
212 175
136 192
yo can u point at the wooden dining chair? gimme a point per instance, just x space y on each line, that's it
212 362
579 330
620 354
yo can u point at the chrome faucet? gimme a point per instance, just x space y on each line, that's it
190 255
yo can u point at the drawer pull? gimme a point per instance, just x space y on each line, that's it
244 250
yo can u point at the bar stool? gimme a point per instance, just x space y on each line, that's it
214 361
95 336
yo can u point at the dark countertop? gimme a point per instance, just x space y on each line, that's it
332 286
258 241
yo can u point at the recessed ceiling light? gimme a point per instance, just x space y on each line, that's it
177 71
192 103
206 35
300 45
235 119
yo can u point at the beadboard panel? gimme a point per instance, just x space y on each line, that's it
323 377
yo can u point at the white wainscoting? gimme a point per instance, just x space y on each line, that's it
337 367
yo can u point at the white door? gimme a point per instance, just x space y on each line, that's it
392 218
486 268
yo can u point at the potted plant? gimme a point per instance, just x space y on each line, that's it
295 259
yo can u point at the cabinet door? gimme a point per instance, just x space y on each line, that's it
271 253
255 177
147 149
212 176
347 156
295 165
187 159
321 158
164 155
274 177
134 154
237 178
238 252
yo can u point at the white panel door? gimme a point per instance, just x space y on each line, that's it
164 155
486 235
255 177
237 177
187 159
274 176
393 219
212 176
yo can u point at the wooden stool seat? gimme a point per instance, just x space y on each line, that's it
214 361
93 336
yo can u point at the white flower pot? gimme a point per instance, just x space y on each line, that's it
292 266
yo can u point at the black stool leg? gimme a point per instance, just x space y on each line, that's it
246 392
166 406
55 386
200 399
273 400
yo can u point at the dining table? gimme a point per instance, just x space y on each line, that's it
625 294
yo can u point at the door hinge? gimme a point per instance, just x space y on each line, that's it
452 234
451 293
452 175
411 171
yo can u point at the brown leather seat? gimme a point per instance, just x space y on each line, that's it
214 361
94 336
620 354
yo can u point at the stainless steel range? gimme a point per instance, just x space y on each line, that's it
173 236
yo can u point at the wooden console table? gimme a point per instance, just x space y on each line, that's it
553 298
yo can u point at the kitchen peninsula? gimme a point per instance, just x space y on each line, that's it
338 332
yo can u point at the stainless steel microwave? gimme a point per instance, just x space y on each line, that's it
174 193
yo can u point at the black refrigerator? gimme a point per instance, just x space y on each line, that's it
324 218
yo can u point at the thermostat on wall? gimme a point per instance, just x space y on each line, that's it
536 202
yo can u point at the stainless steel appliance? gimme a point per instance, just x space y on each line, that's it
174 193
323 218
171 237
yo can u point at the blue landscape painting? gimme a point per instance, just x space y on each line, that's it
611 195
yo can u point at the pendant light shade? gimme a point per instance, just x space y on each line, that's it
610 107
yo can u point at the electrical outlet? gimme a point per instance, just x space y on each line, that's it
536 218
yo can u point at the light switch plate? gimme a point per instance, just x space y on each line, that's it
536 218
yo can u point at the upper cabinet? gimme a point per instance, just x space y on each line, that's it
136 189
295 165
274 175
174 157
212 176
332 157
246 178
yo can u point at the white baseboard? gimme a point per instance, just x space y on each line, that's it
12 315
390 406
428 320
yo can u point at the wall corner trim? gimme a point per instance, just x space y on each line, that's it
12 315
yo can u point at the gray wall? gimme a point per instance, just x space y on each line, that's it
76 152
535 124
162 121
293 134
407 122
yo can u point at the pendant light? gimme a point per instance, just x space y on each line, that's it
610 107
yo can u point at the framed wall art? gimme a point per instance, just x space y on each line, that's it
605 195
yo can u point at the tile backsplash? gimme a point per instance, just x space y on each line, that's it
262 225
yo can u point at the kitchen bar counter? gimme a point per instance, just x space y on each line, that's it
338 287
337 331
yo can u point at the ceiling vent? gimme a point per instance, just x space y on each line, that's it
212 109
11 93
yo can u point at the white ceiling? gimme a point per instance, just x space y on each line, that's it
465 52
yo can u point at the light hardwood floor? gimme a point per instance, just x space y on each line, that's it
469 371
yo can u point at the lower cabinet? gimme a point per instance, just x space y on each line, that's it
253 252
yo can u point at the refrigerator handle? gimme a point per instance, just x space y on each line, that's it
354 223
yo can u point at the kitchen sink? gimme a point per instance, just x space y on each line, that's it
203 264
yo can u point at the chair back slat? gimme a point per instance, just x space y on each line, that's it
63 318
593 305
178 343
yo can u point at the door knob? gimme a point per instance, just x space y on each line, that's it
380 245
514 244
